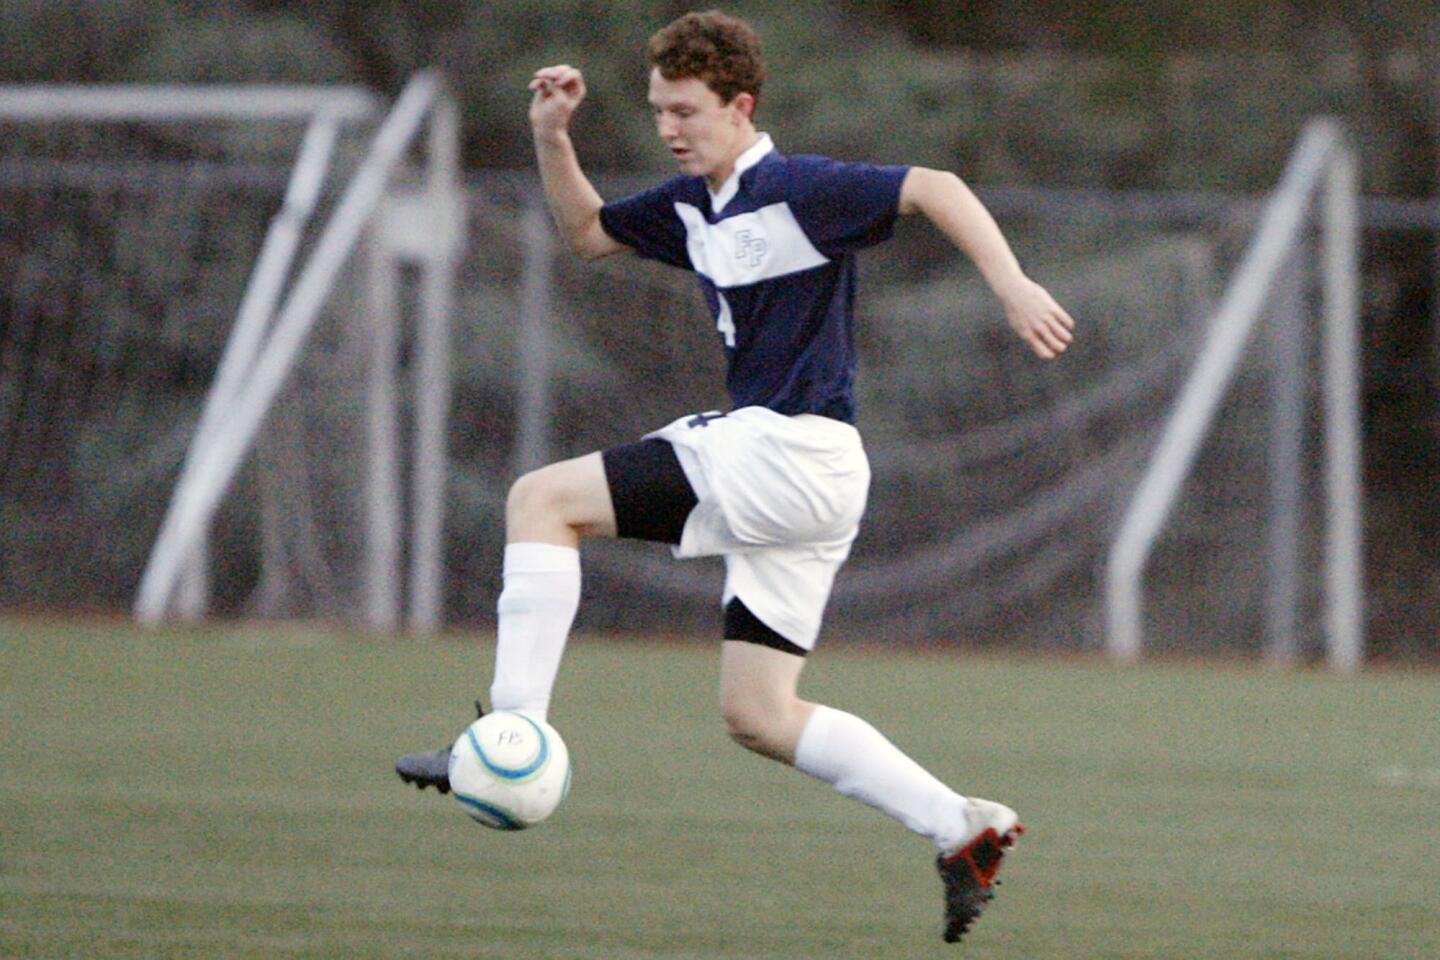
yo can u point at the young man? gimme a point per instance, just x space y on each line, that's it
776 485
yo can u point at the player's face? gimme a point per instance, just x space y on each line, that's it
704 134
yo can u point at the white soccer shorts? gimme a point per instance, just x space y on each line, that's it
780 498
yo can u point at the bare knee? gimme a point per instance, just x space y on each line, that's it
530 498
759 701
745 726
769 726
561 503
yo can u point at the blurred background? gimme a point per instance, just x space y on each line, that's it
1125 149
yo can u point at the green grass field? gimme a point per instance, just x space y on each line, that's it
227 793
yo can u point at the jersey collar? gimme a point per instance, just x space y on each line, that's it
744 162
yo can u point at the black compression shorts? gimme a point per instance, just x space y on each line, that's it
649 490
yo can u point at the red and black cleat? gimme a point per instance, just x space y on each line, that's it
969 877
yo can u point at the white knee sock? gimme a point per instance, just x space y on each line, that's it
857 760
537 607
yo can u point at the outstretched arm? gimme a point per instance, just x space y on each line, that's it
945 200
574 202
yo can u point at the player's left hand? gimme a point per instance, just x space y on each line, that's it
1038 319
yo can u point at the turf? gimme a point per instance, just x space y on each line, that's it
227 793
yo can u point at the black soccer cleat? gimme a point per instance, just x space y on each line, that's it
430 768
968 871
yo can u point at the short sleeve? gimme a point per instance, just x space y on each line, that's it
647 222
845 206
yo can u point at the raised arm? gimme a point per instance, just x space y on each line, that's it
574 202
945 200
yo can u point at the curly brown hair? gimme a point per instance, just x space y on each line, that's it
720 50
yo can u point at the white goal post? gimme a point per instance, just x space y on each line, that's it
398 215
1321 176
423 224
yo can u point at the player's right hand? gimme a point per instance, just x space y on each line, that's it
558 91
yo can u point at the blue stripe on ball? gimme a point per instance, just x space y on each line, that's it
497 817
507 773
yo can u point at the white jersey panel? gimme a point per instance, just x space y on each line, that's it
750 247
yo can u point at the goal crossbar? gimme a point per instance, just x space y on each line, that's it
169 103
1322 166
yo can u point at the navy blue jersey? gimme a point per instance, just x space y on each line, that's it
774 252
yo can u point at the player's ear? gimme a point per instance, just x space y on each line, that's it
745 103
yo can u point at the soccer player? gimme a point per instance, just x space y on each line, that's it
777 484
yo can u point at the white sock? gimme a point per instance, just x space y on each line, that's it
537 607
857 760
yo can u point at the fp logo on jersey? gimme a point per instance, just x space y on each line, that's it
750 248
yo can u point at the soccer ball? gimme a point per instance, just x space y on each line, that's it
509 772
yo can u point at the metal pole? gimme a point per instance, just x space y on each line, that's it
447 205
1287 436
1433 77
169 103
1343 449
533 444
252 322
382 508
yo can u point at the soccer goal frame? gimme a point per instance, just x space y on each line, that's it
398 221
1319 185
